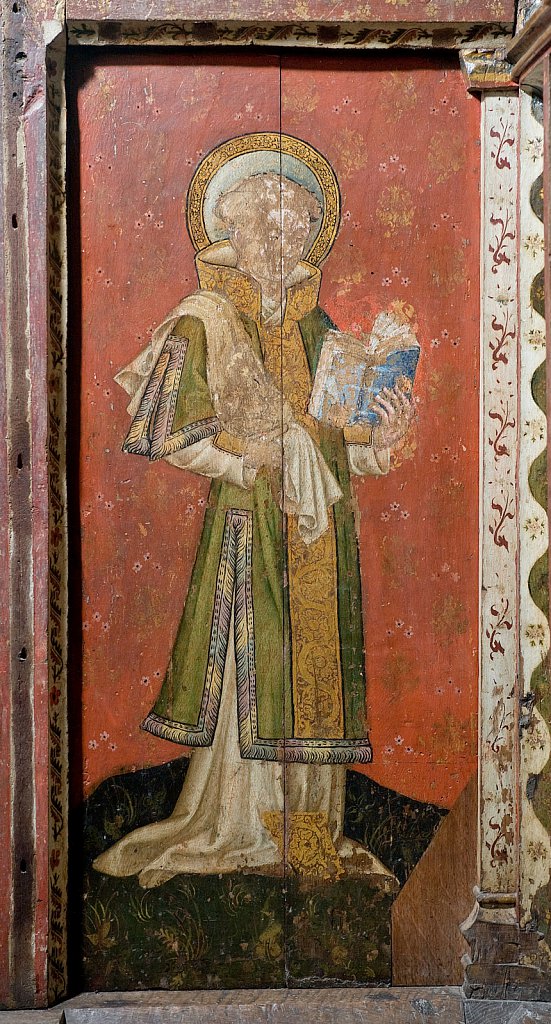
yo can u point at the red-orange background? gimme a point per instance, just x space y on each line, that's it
402 136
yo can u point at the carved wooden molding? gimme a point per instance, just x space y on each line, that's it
529 46
363 35
58 758
499 514
509 958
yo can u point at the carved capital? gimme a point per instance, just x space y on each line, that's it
486 69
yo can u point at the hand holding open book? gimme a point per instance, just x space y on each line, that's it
368 380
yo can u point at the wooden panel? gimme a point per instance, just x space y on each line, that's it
30 142
427 945
405 526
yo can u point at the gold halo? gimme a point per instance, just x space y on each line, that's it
272 142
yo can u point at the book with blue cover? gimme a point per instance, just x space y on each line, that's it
352 370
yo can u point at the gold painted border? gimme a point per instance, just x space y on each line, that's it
273 142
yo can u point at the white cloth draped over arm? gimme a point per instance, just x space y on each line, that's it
205 458
309 487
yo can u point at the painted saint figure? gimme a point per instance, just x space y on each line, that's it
266 680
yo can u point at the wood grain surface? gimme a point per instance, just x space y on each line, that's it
427 945
391 1006
262 11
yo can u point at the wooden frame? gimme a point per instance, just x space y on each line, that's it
506 957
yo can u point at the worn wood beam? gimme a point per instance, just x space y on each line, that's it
24 500
289 11
312 1006
20 865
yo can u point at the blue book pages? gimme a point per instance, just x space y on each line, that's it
399 364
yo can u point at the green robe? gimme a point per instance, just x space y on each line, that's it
241 563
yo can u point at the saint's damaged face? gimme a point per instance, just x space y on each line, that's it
269 221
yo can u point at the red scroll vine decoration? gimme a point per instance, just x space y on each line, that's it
504 423
503 508
500 855
505 139
504 334
503 236
502 623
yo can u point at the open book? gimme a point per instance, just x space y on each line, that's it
353 371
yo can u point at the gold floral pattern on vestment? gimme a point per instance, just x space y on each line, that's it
234 284
315 647
245 293
312 568
304 842
285 358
